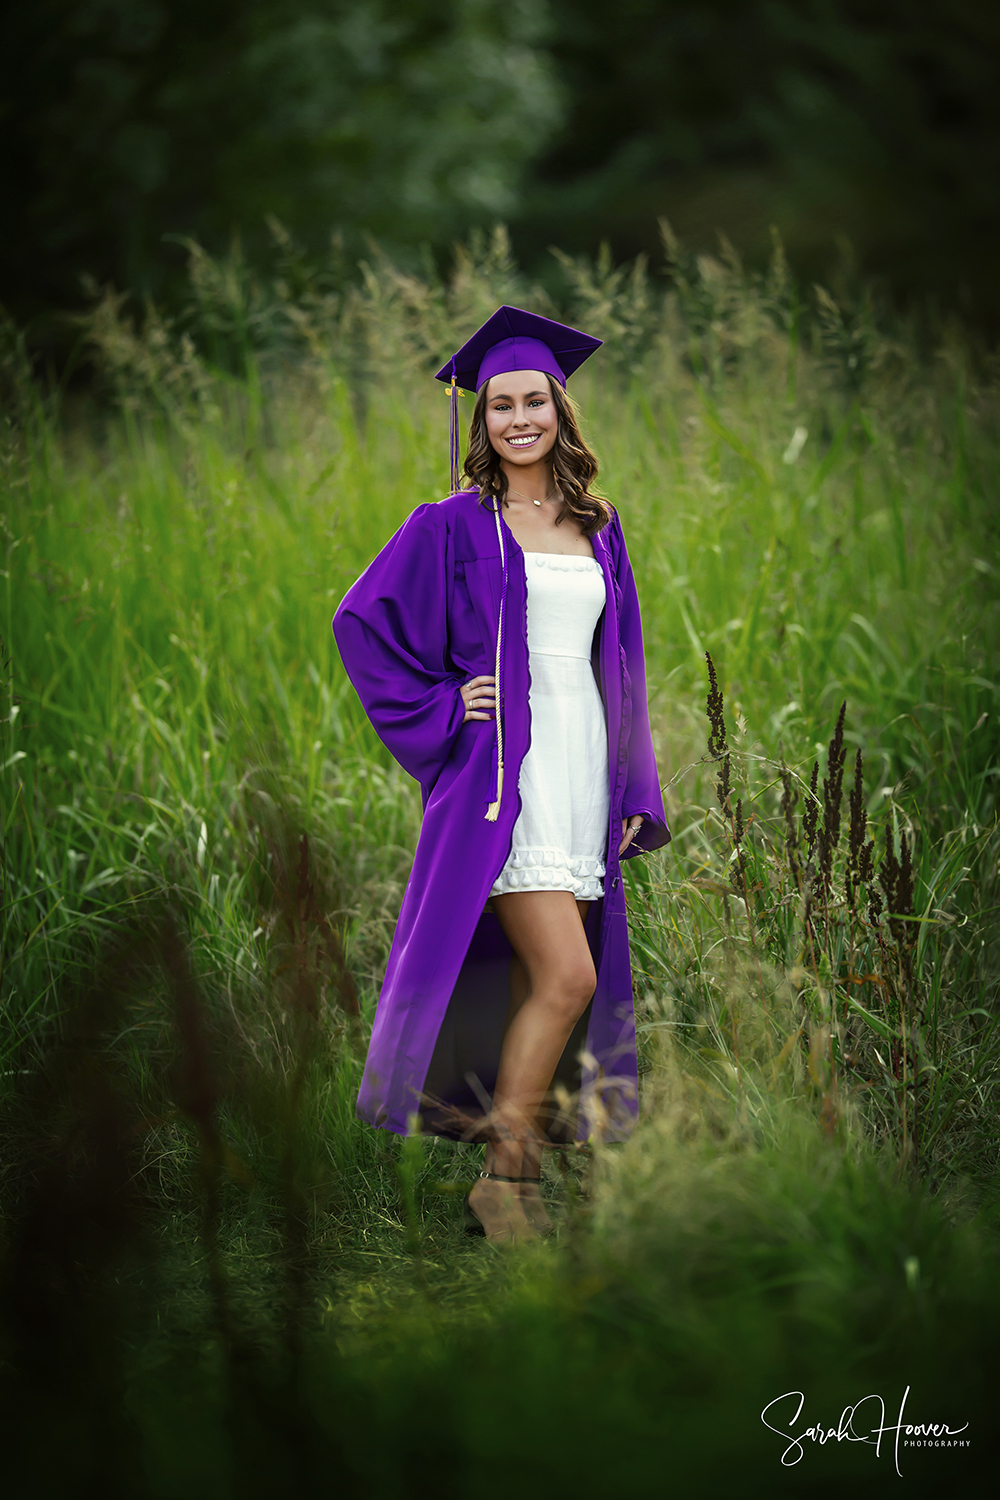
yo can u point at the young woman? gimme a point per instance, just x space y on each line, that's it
495 643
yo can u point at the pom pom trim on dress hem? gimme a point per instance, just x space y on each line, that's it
552 870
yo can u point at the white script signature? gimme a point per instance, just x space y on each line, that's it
849 1430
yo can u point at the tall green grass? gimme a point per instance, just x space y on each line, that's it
205 847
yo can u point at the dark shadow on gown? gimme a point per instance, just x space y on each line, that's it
463 1069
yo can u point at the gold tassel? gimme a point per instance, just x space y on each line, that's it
493 811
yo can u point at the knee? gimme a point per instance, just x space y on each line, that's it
573 990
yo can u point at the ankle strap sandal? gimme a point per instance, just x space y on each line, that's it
496 1177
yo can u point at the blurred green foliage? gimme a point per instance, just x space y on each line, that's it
131 121
878 120
135 119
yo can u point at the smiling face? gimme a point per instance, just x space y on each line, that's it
521 417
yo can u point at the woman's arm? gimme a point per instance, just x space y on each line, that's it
392 633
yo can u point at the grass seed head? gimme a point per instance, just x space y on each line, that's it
833 794
718 745
810 811
859 817
888 874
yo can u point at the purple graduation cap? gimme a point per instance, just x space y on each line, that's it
512 339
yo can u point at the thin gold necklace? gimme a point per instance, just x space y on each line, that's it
523 496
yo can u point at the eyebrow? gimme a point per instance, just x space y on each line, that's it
501 397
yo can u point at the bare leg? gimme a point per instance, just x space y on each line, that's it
531 1159
551 986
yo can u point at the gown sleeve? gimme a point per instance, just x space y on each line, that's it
392 632
642 788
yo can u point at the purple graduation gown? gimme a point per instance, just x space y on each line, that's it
419 622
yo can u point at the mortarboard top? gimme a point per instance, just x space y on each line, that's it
513 339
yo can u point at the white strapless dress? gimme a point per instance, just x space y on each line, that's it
561 834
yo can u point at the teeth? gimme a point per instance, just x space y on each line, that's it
523 441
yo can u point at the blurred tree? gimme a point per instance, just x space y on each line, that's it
878 120
127 120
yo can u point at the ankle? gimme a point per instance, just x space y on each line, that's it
503 1161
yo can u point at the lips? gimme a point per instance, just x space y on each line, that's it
524 441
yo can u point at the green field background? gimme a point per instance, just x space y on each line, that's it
216 1281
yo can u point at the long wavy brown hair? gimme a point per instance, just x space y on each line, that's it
574 466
